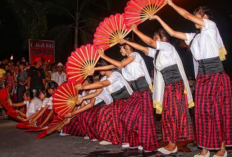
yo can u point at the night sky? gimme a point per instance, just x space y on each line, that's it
11 42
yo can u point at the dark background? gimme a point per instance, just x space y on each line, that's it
11 41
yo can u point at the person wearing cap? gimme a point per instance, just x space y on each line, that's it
59 77
36 77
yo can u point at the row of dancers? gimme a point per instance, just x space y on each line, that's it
118 108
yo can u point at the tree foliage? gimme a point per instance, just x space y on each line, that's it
31 18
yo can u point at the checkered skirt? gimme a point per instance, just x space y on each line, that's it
138 126
213 110
176 121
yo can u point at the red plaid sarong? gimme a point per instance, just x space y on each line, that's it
44 116
176 120
108 125
75 127
213 110
138 126
90 118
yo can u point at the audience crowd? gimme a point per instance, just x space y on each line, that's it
19 76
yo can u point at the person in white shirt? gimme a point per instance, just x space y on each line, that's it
139 105
213 89
170 88
59 77
33 104
108 125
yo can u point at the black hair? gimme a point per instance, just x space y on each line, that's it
124 45
29 93
90 79
22 63
204 10
162 33
102 63
45 92
8 71
52 85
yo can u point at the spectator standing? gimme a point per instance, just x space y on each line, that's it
36 77
28 66
47 73
59 77
21 81
9 81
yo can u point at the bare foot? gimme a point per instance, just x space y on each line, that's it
170 146
221 152
204 152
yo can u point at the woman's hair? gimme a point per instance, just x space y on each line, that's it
90 79
22 63
52 85
102 63
29 93
128 39
45 92
204 10
162 33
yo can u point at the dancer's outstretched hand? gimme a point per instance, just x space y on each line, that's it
170 2
91 72
101 52
79 86
68 115
122 41
67 121
79 101
134 28
154 17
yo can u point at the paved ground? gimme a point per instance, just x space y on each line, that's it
17 143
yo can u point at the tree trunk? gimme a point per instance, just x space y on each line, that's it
76 26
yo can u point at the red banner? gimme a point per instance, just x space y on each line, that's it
43 49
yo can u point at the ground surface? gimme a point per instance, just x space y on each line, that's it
17 143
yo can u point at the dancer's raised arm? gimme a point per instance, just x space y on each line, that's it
184 13
168 29
95 85
135 46
108 67
90 96
149 41
117 64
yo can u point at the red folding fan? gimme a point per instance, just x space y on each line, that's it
56 124
138 11
4 97
64 99
110 31
81 63
4 94
25 125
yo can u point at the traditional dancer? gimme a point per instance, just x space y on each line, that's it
46 115
75 126
98 98
170 88
108 125
213 90
138 129
33 104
